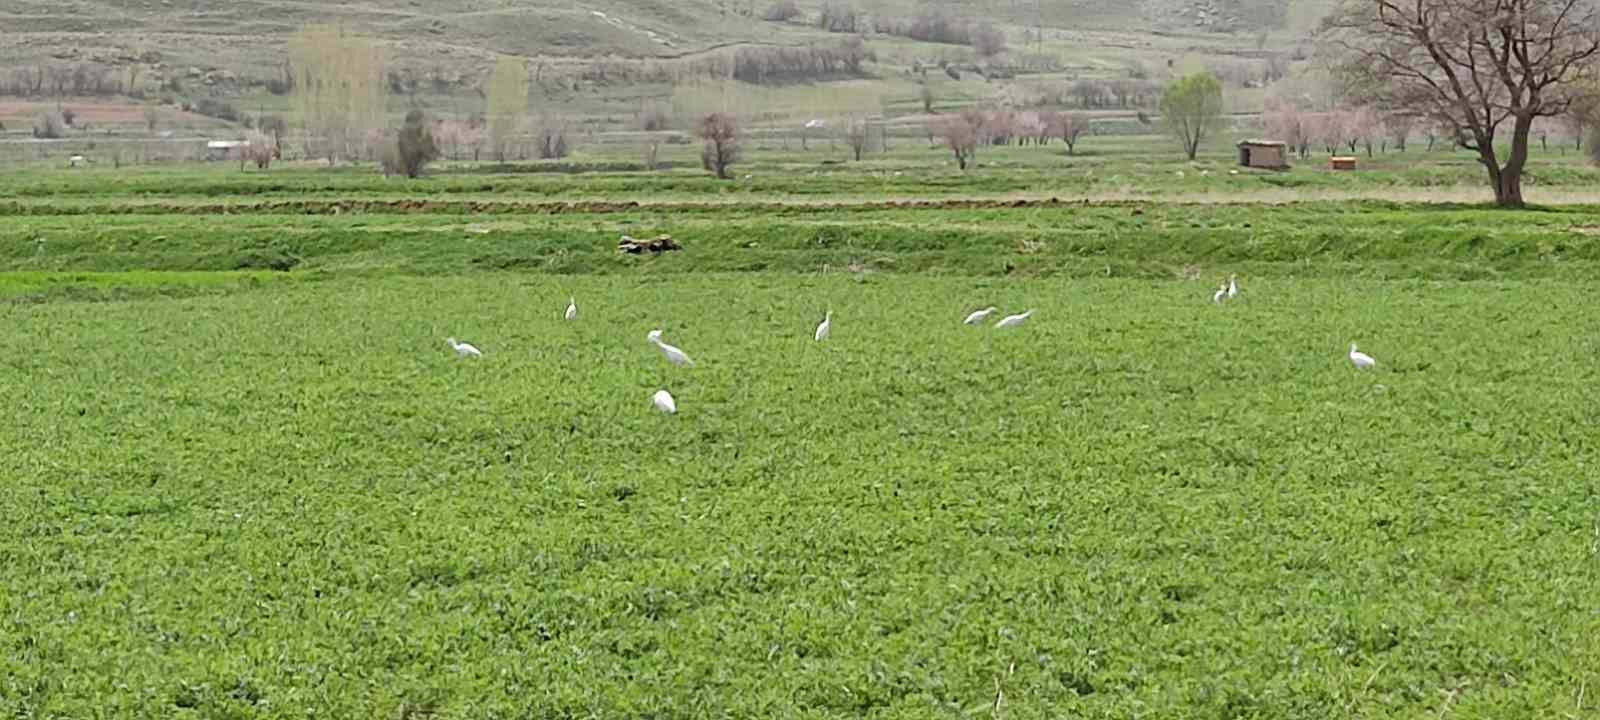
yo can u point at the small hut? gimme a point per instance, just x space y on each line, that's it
221 149
1269 154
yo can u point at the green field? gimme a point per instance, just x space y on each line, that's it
245 477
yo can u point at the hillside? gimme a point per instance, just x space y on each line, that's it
241 35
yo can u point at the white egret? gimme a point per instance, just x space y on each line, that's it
464 349
980 316
676 356
572 309
826 327
1220 295
665 403
1361 359
1233 286
1014 320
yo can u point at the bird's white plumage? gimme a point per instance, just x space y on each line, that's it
1361 359
665 403
1014 320
826 327
572 309
1220 295
979 316
674 355
464 349
1233 287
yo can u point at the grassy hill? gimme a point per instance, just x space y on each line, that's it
249 31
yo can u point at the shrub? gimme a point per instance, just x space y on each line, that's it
212 107
989 41
839 18
550 139
47 126
260 149
413 149
782 11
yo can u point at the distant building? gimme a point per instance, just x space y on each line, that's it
221 149
1269 154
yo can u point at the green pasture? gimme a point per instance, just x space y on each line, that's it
245 477
293 499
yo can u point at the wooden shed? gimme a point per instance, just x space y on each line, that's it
1269 154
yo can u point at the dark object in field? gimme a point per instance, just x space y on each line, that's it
662 243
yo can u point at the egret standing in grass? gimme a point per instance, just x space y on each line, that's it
1361 359
572 309
665 403
674 355
1014 320
1233 286
1220 295
464 349
826 327
980 316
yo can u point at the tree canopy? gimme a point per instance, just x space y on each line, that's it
1192 110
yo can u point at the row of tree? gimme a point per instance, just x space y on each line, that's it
963 133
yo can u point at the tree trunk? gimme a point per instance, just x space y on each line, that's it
1508 179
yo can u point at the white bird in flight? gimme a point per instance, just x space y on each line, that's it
676 356
665 403
1014 320
464 349
572 309
826 327
980 316
1233 287
1361 359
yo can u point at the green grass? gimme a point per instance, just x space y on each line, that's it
294 500
1380 240
245 477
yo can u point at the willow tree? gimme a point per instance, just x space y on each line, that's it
1475 67
1192 110
338 89
508 103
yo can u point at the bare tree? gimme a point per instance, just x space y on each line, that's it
855 135
275 127
1333 130
258 149
960 134
1400 126
1288 123
550 138
1473 65
722 143
1578 120
1362 126
152 118
1069 127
